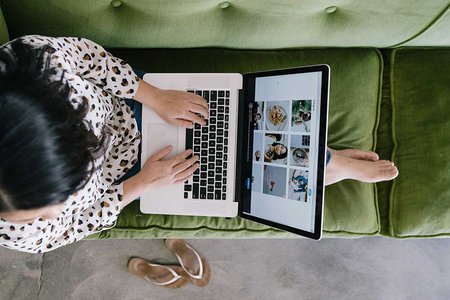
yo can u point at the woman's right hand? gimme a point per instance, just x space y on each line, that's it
157 172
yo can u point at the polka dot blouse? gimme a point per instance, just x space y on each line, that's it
103 80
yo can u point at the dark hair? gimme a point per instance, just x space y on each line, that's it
47 149
281 156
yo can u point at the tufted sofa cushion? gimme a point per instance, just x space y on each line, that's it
350 206
244 24
420 197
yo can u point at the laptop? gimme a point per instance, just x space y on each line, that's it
262 151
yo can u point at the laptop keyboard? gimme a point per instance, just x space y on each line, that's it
210 143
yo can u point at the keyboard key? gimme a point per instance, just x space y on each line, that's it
213 105
225 142
195 190
227 110
212 121
188 188
220 140
227 118
219 162
224 196
186 195
221 101
196 172
225 157
226 133
204 129
196 148
211 181
210 196
221 94
219 131
203 167
203 175
204 160
204 152
211 188
197 126
197 133
224 188
218 185
211 166
220 124
217 195
226 125
211 174
219 155
224 180
202 193
198 93
204 145
203 182
212 113
191 91
206 95
218 177
225 165
224 173
212 151
212 127
213 95
219 147
220 109
220 117
196 141
219 170
212 136
204 137
227 101
227 94
196 179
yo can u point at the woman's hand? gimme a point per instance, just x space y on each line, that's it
175 107
180 108
157 172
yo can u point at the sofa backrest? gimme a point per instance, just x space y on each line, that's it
249 24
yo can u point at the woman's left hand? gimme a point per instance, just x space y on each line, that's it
181 108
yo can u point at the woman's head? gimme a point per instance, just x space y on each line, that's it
46 148
279 151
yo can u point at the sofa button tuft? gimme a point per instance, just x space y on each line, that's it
116 3
330 9
224 4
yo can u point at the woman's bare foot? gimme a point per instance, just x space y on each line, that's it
356 153
343 167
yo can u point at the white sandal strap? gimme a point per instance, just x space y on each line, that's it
175 275
200 273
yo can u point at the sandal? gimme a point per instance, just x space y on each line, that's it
166 276
181 249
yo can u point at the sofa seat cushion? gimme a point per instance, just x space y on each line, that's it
350 206
420 197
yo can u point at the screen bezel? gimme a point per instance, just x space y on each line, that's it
246 143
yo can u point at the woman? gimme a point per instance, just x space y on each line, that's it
67 138
274 150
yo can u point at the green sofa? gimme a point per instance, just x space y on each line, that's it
390 91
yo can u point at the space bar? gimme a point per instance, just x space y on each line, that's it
189 135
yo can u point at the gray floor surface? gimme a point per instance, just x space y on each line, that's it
367 268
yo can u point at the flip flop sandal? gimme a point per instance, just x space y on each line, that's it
166 276
177 247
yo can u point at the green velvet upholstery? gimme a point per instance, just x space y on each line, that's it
350 206
244 24
420 198
3 29
396 103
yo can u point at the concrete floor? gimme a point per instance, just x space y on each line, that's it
368 268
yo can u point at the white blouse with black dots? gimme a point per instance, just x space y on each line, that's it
103 80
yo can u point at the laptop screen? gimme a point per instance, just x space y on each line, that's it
285 156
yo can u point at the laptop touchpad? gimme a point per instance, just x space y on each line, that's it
160 136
